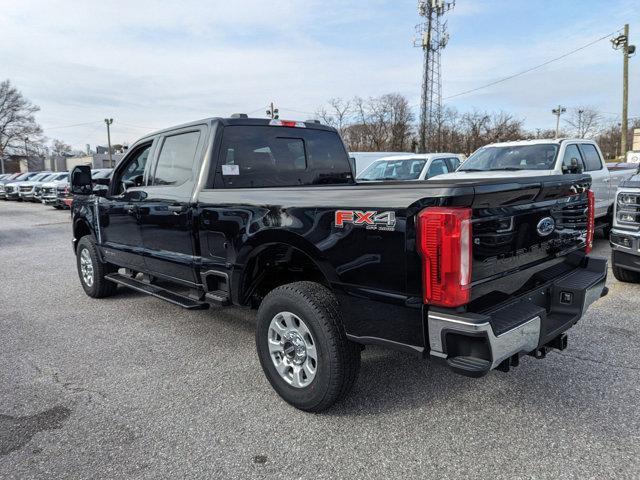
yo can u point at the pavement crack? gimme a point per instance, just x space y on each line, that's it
601 362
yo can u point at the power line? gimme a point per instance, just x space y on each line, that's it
74 125
564 55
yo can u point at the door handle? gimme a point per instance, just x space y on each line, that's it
177 209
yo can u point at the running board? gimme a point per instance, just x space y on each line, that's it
156 291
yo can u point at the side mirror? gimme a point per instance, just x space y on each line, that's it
81 180
575 167
100 190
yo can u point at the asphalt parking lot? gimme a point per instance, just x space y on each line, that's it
133 387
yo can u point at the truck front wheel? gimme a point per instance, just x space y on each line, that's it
92 271
627 276
303 348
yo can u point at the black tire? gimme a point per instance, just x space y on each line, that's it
627 276
100 287
338 359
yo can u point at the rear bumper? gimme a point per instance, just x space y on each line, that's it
475 343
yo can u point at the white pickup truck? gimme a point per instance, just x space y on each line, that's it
549 157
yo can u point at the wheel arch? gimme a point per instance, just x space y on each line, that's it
271 259
81 228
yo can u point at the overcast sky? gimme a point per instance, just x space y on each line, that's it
150 65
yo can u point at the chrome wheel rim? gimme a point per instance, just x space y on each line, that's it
86 267
292 349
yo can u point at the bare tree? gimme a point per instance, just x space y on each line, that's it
59 147
584 122
17 121
338 114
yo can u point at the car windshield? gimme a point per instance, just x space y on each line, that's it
393 170
520 157
60 177
40 177
24 176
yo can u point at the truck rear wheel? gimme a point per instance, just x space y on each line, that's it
303 348
627 276
92 271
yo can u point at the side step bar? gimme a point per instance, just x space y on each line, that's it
156 291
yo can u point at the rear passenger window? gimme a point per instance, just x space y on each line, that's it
264 156
175 162
591 157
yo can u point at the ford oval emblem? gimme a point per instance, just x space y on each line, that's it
546 226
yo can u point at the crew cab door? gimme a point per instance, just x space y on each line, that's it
600 177
166 216
118 229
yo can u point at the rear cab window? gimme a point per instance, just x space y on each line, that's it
273 156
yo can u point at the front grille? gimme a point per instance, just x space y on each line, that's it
9 189
46 190
26 189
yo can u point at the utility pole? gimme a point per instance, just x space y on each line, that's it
557 112
432 37
273 112
109 121
26 151
580 129
621 42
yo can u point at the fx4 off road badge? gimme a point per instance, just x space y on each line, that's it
372 220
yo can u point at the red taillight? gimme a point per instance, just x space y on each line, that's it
591 220
444 243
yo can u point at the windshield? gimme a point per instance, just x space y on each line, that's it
393 170
60 177
521 157
24 176
41 176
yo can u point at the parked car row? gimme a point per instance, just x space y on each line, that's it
49 188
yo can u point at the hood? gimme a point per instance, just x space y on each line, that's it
461 174
55 184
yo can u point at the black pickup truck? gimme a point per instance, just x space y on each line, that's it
266 214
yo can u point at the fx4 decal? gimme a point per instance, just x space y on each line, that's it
371 219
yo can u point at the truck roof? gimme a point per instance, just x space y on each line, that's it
246 121
538 141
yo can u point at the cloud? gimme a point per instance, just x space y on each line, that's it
153 64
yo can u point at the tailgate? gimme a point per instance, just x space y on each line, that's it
523 228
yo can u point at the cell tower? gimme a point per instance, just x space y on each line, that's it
432 37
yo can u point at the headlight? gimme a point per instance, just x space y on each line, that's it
628 198
628 208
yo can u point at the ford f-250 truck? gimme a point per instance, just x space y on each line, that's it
266 214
